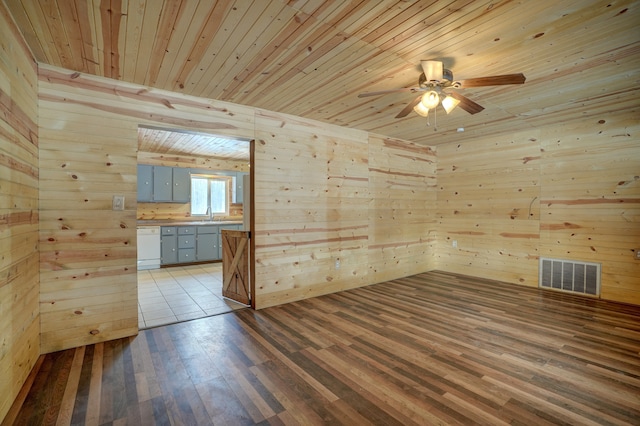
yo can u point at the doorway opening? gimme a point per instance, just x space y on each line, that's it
180 269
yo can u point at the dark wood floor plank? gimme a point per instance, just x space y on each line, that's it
82 396
71 389
221 403
95 385
434 348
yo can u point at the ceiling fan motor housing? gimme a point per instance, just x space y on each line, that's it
447 80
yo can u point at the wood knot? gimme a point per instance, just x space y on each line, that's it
78 312
94 332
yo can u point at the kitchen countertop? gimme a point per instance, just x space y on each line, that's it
187 222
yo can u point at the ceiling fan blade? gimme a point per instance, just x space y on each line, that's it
383 92
466 103
495 80
409 107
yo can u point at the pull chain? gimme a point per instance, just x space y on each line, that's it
435 119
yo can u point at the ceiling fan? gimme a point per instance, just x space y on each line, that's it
436 82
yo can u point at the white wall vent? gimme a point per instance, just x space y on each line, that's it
570 276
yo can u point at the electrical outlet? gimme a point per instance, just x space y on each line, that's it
337 263
454 243
118 202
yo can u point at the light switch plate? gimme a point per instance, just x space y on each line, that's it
118 202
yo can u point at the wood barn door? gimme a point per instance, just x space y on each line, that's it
235 266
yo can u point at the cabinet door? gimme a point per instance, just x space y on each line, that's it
169 249
239 190
145 183
186 230
162 183
186 255
181 185
206 247
186 241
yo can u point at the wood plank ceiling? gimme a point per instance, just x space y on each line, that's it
312 58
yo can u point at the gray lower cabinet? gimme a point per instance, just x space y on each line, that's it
168 245
186 244
197 243
207 243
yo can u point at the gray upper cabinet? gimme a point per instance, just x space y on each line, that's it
164 184
181 192
145 183
239 189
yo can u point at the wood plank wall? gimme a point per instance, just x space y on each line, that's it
89 131
87 250
568 189
590 196
182 211
489 204
325 194
319 174
311 208
19 281
403 211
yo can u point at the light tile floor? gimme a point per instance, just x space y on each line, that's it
181 293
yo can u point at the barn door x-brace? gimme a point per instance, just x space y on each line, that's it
235 265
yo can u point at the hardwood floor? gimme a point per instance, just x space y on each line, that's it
435 348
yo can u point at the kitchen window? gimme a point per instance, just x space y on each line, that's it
209 195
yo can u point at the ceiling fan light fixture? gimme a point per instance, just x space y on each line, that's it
421 110
449 103
432 70
430 99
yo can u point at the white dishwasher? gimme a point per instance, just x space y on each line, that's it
148 247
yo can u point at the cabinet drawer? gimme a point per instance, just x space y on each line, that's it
168 230
186 230
187 255
186 241
207 229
